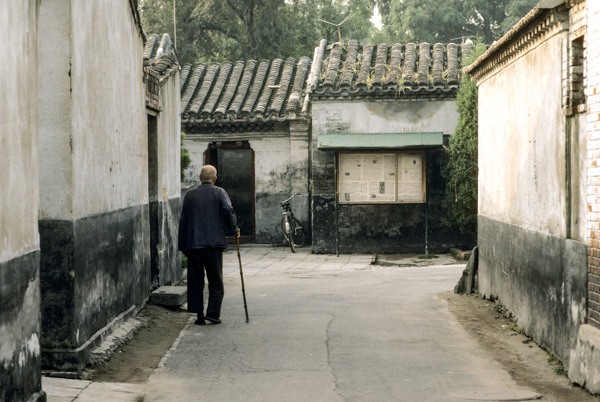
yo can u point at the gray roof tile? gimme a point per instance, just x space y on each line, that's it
244 92
353 71
277 90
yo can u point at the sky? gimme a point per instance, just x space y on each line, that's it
376 18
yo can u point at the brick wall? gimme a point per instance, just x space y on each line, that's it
577 30
592 85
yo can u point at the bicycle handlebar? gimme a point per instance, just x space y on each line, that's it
288 200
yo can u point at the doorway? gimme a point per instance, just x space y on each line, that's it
235 173
153 203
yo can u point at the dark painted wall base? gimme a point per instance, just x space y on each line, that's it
20 378
165 259
92 270
541 278
382 229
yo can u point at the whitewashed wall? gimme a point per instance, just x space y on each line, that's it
93 138
169 142
18 137
522 177
109 122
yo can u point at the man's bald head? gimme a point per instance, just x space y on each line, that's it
208 174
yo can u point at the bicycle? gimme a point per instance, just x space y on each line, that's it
291 227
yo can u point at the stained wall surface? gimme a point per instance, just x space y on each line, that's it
385 117
382 228
94 211
165 194
531 207
20 357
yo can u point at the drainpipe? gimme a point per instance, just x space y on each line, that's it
337 226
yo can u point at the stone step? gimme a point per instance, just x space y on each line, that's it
461 255
169 296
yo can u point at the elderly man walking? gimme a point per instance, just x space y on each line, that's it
206 216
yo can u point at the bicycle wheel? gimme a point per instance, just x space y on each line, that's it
298 234
287 229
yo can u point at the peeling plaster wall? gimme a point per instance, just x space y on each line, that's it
383 228
281 169
529 254
20 374
94 226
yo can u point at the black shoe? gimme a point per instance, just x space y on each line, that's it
199 322
213 320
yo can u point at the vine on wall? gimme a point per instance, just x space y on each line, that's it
461 171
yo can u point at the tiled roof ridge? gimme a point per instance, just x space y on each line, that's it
244 91
160 55
350 70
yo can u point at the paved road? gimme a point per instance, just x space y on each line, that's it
327 328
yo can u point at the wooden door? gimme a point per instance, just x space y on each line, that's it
235 173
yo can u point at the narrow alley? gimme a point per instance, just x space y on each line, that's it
326 328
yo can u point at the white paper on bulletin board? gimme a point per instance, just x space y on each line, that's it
410 178
367 177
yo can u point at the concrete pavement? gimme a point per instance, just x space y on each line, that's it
327 328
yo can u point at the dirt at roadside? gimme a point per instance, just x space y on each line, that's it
135 361
529 365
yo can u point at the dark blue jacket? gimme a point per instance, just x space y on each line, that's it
206 215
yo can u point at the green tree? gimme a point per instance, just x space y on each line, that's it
157 18
219 30
461 171
355 15
424 20
515 10
449 20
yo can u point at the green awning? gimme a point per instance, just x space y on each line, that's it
380 141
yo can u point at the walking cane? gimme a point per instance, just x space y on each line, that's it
242 276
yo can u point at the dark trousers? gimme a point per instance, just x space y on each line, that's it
209 260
